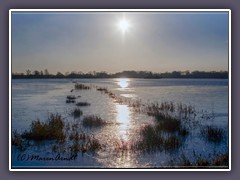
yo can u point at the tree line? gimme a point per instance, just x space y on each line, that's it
127 74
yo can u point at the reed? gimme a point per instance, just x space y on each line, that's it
52 129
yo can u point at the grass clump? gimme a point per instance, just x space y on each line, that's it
213 134
93 121
76 113
153 138
81 87
83 104
52 129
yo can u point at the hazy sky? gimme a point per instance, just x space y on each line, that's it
93 41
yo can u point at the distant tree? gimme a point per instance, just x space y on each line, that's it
36 73
66 73
59 74
46 72
28 72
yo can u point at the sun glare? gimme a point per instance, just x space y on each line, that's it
123 83
123 25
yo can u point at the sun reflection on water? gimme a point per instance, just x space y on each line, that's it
123 82
123 117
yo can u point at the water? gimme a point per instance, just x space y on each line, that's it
38 98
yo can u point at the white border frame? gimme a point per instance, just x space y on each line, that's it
118 10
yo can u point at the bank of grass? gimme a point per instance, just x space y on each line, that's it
52 129
93 121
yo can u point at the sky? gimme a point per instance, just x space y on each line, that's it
96 41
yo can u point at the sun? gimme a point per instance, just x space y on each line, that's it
123 25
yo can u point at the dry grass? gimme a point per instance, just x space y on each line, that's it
52 129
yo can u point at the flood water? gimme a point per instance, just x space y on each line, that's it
38 98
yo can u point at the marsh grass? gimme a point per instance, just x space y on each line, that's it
93 121
52 129
76 113
153 138
82 142
81 87
83 104
213 134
